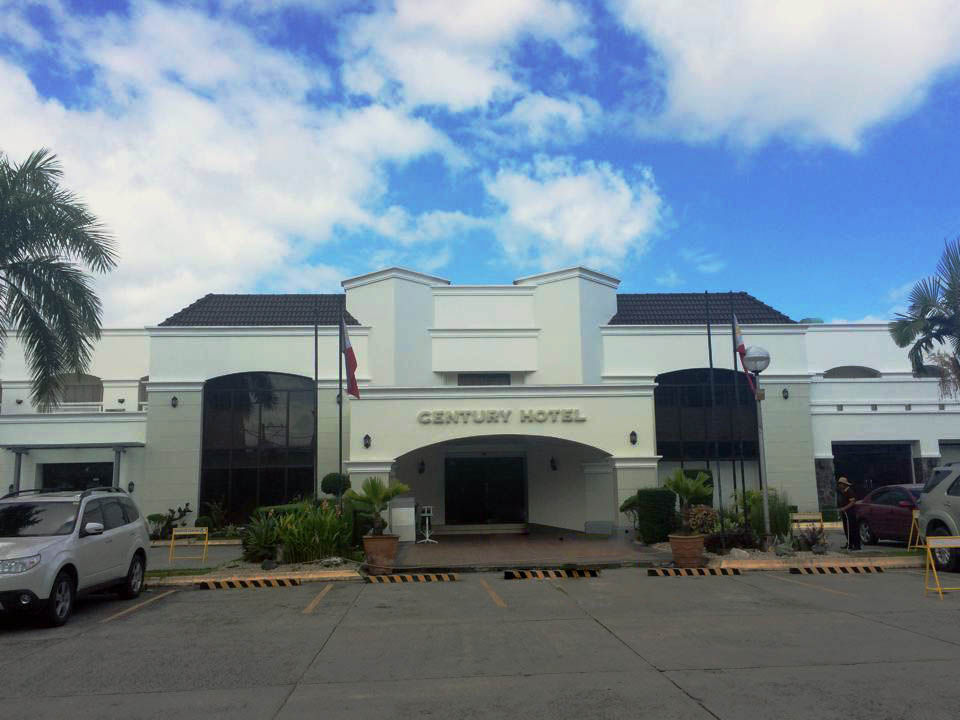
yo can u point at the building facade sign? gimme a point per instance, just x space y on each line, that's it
457 417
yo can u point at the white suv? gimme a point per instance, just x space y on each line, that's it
54 545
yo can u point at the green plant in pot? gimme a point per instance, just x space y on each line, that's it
693 492
372 500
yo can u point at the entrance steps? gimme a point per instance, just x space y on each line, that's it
485 529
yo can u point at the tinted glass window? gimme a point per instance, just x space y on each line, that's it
92 513
938 477
955 488
36 519
129 509
112 514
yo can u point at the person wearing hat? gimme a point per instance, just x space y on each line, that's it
848 507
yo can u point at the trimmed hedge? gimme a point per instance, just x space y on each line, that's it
335 484
654 513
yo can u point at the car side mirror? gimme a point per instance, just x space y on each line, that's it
93 528
906 504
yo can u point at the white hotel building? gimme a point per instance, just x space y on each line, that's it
546 401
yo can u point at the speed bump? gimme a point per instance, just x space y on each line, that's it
545 574
837 570
691 572
237 583
418 578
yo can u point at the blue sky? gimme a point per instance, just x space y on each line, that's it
806 153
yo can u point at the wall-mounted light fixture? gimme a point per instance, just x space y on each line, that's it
367 441
785 393
421 467
633 437
19 401
121 401
174 402
553 463
130 487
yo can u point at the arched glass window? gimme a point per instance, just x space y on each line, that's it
686 429
850 372
258 441
81 389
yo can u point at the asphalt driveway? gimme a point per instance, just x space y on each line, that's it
763 645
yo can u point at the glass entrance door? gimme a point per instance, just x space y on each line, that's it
482 491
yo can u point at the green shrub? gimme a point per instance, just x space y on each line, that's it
653 511
335 484
203 522
691 491
311 532
277 509
261 537
779 505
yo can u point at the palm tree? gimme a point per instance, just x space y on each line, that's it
932 321
47 238
374 497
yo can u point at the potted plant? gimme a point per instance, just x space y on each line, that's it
373 498
687 543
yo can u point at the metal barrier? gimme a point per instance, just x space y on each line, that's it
187 533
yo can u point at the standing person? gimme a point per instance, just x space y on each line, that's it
848 507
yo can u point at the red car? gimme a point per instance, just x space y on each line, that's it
887 512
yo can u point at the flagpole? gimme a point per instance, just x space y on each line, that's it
316 403
340 402
713 429
736 394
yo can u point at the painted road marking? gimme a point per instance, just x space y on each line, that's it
815 587
417 578
691 572
497 600
549 574
316 601
138 606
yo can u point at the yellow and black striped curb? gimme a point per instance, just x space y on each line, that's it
837 570
237 583
545 574
691 572
418 578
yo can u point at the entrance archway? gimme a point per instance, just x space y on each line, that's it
510 481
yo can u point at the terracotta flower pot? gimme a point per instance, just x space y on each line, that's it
380 551
687 550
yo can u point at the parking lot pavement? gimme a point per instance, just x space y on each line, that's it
763 645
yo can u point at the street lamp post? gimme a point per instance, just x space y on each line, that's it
756 360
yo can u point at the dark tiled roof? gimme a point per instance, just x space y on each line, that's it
243 310
690 309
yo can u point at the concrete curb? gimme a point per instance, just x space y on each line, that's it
786 563
303 577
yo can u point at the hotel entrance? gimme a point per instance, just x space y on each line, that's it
485 490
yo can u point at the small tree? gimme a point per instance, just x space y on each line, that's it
374 497
335 484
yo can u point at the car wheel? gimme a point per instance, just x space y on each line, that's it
867 536
134 583
60 603
945 559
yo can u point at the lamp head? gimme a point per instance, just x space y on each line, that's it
756 359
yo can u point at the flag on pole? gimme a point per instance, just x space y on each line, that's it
741 350
349 359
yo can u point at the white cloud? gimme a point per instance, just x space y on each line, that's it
703 261
670 279
814 71
558 212
199 148
539 118
453 54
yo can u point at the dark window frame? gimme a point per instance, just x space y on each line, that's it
483 379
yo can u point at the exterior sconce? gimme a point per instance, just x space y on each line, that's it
19 401
421 467
367 441
553 463
174 402
130 487
786 394
121 401
633 437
